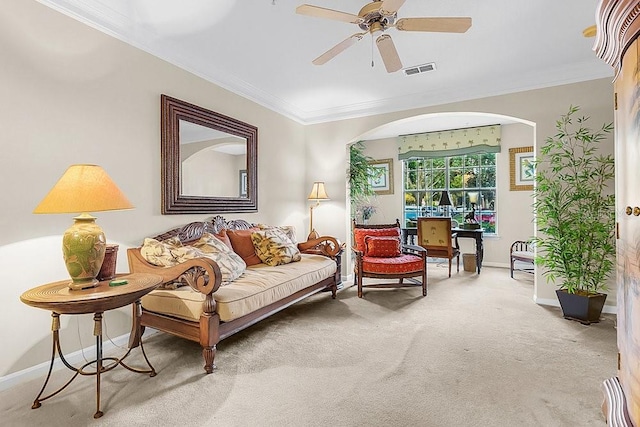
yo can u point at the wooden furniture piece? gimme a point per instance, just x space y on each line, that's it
618 28
521 251
410 261
203 276
410 235
434 234
59 299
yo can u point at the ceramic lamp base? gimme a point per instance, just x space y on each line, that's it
83 248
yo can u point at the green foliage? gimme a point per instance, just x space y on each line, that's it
575 206
359 175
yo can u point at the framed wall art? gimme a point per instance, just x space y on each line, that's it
521 169
382 179
243 183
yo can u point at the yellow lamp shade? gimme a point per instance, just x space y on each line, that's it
318 192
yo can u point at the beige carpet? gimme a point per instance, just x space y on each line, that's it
475 352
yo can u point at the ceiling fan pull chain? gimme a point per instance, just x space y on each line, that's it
371 50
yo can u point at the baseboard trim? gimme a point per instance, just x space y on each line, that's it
608 309
76 358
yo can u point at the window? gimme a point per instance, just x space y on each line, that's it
424 179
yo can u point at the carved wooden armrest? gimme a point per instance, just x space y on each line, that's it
414 248
323 245
202 274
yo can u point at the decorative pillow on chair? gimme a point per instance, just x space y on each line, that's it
243 246
359 234
273 247
231 265
159 253
382 246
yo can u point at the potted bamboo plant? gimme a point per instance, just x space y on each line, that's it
359 177
574 206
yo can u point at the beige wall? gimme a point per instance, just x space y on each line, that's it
71 94
74 95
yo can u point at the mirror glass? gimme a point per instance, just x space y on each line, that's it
201 147
209 161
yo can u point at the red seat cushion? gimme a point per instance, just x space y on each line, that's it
396 265
359 235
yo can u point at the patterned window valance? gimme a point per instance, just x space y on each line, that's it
456 142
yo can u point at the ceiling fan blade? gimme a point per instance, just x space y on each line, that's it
389 53
321 12
439 25
389 7
334 51
589 31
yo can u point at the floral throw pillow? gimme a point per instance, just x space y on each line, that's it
159 253
273 247
288 230
231 265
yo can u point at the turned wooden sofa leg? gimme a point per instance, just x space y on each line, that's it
209 337
209 354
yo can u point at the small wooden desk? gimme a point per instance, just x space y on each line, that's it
410 235
59 299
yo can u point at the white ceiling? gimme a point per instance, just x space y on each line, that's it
263 51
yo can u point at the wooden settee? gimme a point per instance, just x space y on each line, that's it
203 276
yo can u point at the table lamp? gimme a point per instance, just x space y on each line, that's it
445 200
473 199
317 194
83 189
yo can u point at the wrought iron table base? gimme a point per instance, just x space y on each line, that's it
100 368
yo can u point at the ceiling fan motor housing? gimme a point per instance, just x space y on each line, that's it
373 20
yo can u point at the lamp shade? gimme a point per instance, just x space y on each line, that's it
318 192
444 199
83 188
473 197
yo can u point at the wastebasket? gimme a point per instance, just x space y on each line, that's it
469 262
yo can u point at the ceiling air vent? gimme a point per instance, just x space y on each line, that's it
410 71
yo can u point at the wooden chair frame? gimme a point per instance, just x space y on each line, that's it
405 249
440 251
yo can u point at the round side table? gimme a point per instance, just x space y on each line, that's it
58 298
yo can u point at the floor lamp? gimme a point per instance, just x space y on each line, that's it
317 194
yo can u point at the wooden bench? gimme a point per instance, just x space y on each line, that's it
523 252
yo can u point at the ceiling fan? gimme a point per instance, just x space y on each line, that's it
376 17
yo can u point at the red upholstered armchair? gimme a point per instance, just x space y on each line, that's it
381 255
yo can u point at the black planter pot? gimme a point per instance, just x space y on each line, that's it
584 308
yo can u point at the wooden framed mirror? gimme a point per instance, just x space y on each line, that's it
208 161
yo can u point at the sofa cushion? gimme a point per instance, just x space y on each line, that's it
243 245
359 235
273 247
231 265
222 236
159 253
382 246
258 287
